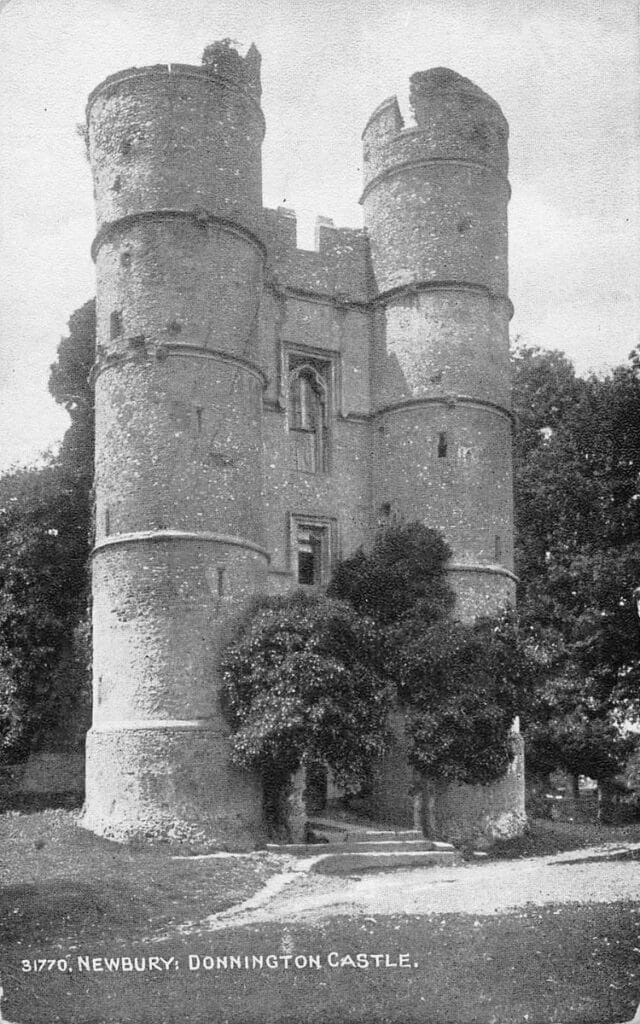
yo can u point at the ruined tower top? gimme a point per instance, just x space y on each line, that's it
223 58
454 120
426 85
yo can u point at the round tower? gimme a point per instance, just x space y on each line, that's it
176 160
435 205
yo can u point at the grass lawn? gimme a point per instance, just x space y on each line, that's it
70 895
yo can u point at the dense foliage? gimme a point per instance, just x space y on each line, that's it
43 555
578 557
403 574
300 685
71 385
458 685
463 685
45 515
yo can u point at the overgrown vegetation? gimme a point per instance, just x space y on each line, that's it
462 686
313 679
45 515
577 499
301 683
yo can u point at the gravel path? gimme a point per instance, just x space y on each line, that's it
577 876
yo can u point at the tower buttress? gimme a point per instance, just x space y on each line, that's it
176 160
435 204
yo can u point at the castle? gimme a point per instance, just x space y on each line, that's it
261 410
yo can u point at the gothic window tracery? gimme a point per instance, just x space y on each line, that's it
308 394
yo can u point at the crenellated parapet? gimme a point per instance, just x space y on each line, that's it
454 120
338 269
435 195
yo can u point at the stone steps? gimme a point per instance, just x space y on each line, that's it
334 829
344 847
352 861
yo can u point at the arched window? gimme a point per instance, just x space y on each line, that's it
307 408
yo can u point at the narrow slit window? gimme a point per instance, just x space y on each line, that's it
221 572
115 324
198 419
498 548
442 445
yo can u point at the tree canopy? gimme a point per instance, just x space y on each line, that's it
45 517
578 556
300 684
403 574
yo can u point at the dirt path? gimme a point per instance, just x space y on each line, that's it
578 876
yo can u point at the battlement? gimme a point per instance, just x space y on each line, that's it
220 63
427 86
454 120
221 58
338 266
386 120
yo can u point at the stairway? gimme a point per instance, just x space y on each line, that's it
340 846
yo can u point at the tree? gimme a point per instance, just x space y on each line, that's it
300 686
45 517
71 385
458 685
462 686
404 573
578 557
43 555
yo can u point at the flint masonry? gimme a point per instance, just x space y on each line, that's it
261 410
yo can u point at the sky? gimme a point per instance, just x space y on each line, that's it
565 72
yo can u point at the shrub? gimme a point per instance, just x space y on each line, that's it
300 685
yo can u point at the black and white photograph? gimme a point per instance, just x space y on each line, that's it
320 512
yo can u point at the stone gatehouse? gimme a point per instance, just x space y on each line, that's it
261 410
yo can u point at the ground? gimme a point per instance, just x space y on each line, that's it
512 937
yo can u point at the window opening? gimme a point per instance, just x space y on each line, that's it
442 445
311 542
498 548
199 419
221 571
308 417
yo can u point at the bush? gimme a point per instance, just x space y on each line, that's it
460 686
300 685
405 572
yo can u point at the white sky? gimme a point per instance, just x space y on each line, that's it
566 73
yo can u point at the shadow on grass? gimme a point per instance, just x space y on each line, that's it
622 855
543 838
43 910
